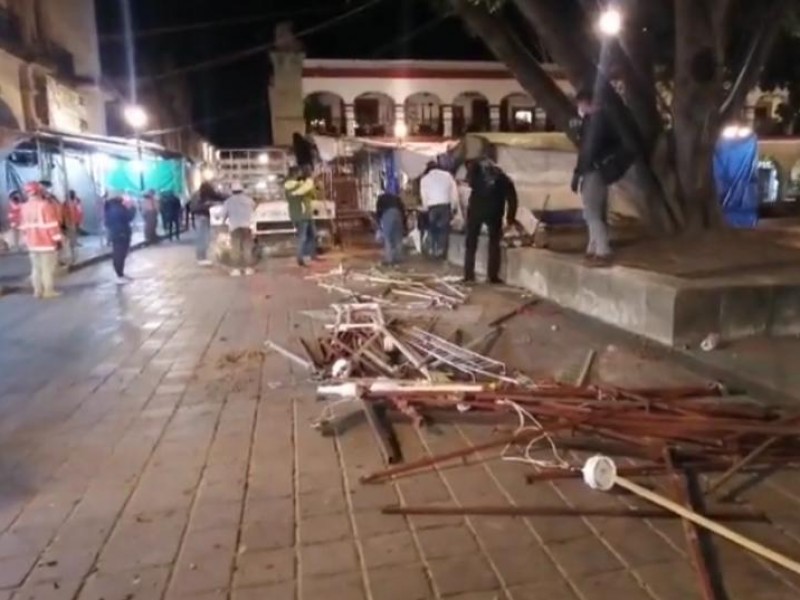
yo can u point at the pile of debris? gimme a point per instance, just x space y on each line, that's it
409 291
394 366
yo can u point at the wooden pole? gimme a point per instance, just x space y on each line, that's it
700 520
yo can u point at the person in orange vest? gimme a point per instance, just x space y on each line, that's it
43 236
73 218
15 218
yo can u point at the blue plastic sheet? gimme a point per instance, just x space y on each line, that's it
735 163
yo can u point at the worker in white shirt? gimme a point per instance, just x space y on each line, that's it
439 194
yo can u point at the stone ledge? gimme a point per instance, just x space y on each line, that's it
667 309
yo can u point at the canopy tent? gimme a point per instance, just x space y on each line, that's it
735 162
89 165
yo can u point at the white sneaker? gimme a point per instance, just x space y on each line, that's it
204 263
248 271
122 281
236 273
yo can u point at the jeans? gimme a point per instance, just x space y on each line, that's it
203 237
594 194
241 248
120 246
43 272
173 227
495 227
306 239
150 225
439 229
392 232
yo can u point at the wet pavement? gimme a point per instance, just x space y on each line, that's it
152 450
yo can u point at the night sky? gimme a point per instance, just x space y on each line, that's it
230 99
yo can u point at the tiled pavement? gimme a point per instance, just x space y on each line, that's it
151 450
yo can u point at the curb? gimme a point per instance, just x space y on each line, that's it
17 285
89 262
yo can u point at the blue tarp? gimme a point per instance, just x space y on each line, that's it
735 162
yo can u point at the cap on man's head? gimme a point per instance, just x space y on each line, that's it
237 187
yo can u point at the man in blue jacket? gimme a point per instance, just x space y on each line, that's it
118 215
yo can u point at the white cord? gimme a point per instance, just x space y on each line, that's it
525 415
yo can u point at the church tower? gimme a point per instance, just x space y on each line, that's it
286 86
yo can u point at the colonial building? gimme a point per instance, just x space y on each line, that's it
50 67
416 98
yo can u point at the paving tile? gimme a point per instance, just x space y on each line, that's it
446 542
264 568
279 591
342 586
328 559
325 528
462 574
400 582
141 584
390 549
584 556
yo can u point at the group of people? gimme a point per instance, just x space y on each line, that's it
69 215
492 197
169 207
602 161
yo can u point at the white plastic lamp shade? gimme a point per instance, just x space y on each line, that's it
400 129
600 473
263 158
610 22
135 116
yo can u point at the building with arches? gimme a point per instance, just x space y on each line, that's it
420 98
370 98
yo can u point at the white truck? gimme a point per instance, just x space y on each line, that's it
262 172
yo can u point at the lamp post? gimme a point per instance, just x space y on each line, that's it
136 117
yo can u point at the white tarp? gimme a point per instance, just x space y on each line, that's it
411 156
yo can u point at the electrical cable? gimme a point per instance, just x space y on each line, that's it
146 33
261 48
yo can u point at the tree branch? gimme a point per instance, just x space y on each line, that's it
507 47
770 22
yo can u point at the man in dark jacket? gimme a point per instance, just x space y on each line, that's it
493 195
171 214
391 216
118 216
601 162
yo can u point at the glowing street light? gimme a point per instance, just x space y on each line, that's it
263 158
400 130
135 116
610 22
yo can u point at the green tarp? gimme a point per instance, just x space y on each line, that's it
161 175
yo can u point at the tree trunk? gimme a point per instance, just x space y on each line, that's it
696 120
507 47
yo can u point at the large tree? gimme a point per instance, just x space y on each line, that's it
679 71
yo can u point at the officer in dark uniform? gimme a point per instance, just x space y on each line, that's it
493 196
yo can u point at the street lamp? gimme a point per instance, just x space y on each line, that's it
136 116
610 22
400 130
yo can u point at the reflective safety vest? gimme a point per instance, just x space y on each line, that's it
40 223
